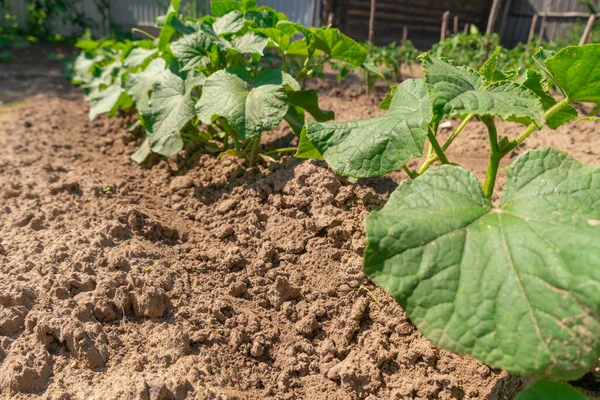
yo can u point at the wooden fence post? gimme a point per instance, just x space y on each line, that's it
455 30
445 18
372 22
467 26
492 17
404 35
542 29
588 29
532 29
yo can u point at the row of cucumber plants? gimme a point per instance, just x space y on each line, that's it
514 284
205 81
388 60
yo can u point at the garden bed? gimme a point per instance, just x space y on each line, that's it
199 277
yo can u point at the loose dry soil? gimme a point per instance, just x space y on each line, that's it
199 278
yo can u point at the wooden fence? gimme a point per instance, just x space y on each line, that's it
422 18
126 14
518 16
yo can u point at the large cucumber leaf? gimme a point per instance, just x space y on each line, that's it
576 70
516 286
459 91
250 111
249 43
376 146
544 389
170 108
138 56
192 50
232 22
139 85
108 100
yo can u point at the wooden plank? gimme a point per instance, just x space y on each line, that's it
372 21
401 7
363 16
445 18
542 30
588 30
492 18
532 29
455 27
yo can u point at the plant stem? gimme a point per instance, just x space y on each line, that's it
223 124
458 130
134 30
495 157
533 127
436 146
411 174
490 176
431 159
255 150
282 150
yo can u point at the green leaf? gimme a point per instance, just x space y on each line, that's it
309 101
376 146
193 50
490 73
170 108
540 58
83 68
219 8
108 100
263 17
229 23
227 94
372 68
165 22
142 153
544 389
338 45
459 91
535 82
280 37
387 100
249 43
298 48
295 117
516 286
306 148
139 85
137 57
576 70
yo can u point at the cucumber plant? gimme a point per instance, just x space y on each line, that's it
203 81
516 283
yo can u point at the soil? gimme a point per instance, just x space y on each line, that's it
199 278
